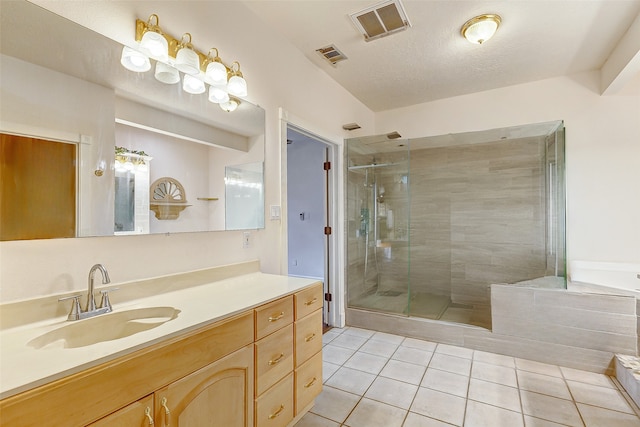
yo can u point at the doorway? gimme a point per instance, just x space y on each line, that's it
309 205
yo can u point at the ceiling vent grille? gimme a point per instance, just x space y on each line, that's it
331 54
381 20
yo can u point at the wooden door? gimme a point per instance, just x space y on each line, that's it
38 188
220 394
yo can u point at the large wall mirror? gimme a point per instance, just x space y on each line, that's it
150 158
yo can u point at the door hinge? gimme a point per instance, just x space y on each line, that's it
327 166
327 230
327 297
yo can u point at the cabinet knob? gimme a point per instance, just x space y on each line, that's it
147 412
310 337
310 383
167 413
278 412
276 317
311 301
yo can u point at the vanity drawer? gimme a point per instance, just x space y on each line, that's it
273 316
275 407
308 381
308 300
308 337
274 358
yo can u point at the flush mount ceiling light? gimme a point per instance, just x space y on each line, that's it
481 28
174 56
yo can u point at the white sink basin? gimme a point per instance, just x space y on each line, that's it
105 327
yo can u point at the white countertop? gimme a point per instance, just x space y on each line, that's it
23 367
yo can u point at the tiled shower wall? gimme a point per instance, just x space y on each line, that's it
478 212
477 217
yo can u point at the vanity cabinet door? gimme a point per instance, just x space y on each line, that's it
137 414
219 394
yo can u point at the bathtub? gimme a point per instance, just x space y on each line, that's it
604 277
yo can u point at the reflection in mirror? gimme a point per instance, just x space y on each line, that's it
131 192
54 87
244 192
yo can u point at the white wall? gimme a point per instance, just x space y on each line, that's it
278 76
602 151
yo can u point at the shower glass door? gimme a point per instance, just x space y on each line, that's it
377 192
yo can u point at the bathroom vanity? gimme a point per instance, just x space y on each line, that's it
241 351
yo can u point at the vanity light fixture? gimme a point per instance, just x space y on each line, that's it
166 74
174 56
133 60
218 95
481 28
216 72
192 85
237 85
187 60
152 40
231 105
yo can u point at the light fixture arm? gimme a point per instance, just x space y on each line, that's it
184 43
234 71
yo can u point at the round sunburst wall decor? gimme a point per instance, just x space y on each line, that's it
168 198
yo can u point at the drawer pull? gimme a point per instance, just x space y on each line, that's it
276 360
147 412
310 337
311 302
278 412
310 383
167 413
276 317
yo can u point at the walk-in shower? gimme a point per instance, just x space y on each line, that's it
433 222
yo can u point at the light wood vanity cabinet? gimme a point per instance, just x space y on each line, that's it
136 414
288 375
259 368
218 394
308 346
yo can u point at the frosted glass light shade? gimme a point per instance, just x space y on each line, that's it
481 28
166 73
188 61
155 45
216 73
133 60
237 86
230 105
192 85
218 95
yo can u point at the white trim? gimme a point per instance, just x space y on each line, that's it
336 150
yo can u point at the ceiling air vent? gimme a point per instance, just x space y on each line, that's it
331 54
381 20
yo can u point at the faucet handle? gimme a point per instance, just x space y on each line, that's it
74 314
106 303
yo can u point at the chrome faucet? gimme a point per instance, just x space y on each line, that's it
91 309
91 300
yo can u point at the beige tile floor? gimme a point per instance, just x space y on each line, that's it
373 379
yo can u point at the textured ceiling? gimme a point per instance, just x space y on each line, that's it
538 39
